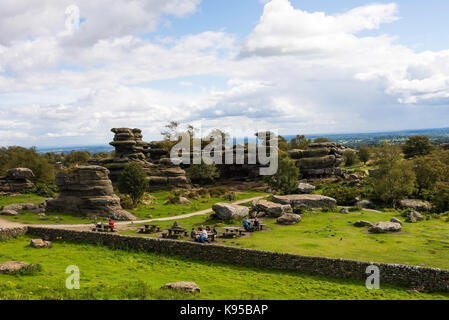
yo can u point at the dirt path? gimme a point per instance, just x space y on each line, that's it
6 224
183 216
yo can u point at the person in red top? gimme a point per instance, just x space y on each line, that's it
111 224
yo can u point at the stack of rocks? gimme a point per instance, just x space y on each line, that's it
152 157
17 180
87 191
320 160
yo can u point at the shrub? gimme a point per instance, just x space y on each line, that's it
45 190
417 146
364 154
285 180
350 158
345 196
126 202
217 192
203 173
133 182
173 198
441 199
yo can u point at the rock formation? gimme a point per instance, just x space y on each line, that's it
152 157
229 211
272 209
289 219
384 227
320 159
17 180
190 287
306 200
415 204
87 191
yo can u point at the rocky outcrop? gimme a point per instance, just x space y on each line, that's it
362 223
10 213
320 159
39 243
418 205
306 200
12 267
229 211
152 157
413 216
17 180
305 188
289 219
272 209
385 227
190 287
87 191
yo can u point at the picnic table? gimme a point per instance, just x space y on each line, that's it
104 227
232 232
150 228
257 228
175 232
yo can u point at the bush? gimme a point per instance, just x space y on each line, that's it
45 190
173 198
417 146
351 158
285 180
441 199
364 154
133 182
217 192
126 202
345 196
202 173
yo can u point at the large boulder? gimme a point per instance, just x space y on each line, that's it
273 209
385 227
10 213
39 243
289 219
87 191
305 188
415 204
13 267
362 223
230 211
17 180
413 216
190 287
308 200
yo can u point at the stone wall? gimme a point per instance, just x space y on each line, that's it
412 277
9 233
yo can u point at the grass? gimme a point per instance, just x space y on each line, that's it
160 209
118 274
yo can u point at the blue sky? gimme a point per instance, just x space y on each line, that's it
294 66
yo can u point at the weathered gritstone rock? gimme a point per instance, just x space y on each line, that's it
417 205
273 209
10 213
320 160
384 227
308 200
289 219
13 267
305 188
366 204
152 157
39 243
396 220
361 224
191 287
17 180
229 211
414 217
87 191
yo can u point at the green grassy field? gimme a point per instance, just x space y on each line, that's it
118 274
158 209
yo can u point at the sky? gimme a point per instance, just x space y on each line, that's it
298 67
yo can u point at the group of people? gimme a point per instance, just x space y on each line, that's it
202 233
111 224
247 224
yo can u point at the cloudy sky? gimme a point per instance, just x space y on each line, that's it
320 66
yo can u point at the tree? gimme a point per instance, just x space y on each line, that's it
394 179
429 171
285 180
364 154
417 146
321 139
133 182
203 173
350 158
77 158
441 198
299 142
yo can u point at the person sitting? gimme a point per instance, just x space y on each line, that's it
175 224
214 231
111 224
203 236
193 234
246 224
256 223
207 228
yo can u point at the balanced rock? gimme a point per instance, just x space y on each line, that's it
17 180
308 200
229 211
362 223
87 191
10 213
418 205
190 287
289 219
39 243
273 209
384 227
13 267
305 188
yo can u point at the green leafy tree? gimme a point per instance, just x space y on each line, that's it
417 146
345 196
133 182
441 199
351 158
202 173
321 140
364 154
77 158
299 142
429 171
285 180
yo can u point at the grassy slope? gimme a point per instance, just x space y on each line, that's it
117 274
143 212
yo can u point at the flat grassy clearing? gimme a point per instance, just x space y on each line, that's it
118 274
158 209
328 234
